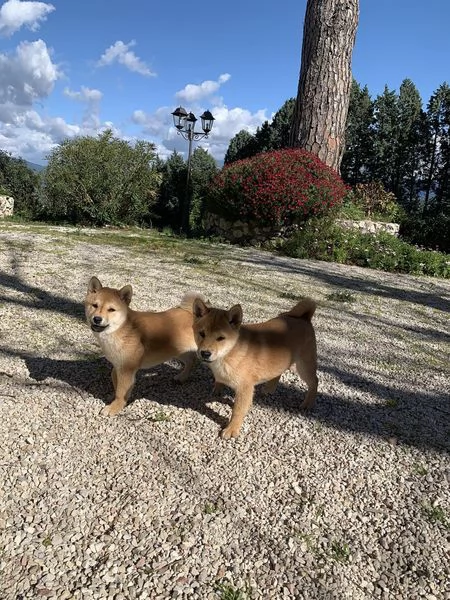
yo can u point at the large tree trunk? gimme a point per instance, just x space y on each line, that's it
325 79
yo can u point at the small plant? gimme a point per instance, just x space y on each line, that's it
210 508
391 403
340 551
160 416
435 514
290 296
193 260
420 469
47 541
227 591
344 296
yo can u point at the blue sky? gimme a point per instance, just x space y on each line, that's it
72 68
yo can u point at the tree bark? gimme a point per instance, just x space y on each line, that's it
325 81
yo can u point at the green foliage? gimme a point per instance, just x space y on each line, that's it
172 192
359 149
241 146
270 136
432 231
374 201
168 210
203 170
276 188
99 181
20 182
227 591
322 239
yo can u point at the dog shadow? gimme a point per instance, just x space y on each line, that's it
93 377
397 417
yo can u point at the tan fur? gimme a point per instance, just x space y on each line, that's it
133 340
241 356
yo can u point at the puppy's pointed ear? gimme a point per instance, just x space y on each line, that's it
94 285
235 316
126 293
200 308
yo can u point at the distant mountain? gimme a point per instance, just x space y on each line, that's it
35 166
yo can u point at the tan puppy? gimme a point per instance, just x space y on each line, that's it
133 340
242 356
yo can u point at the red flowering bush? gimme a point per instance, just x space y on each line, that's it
276 188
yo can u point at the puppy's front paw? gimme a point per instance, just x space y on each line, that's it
110 410
230 431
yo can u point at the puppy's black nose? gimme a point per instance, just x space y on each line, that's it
97 320
205 354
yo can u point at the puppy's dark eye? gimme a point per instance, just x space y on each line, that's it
111 310
201 334
220 338
95 306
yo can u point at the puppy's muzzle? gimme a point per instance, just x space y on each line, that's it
205 355
96 325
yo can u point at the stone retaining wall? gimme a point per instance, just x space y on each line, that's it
6 206
250 233
367 226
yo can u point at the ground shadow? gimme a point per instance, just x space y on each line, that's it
398 416
38 298
156 384
432 296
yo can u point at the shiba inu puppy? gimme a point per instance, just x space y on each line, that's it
133 340
241 356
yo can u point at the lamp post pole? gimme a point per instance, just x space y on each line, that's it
185 126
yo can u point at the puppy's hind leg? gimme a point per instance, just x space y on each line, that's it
189 360
307 370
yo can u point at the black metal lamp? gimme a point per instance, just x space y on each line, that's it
179 117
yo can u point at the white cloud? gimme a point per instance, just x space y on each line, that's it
193 93
120 52
91 97
84 95
155 124
158 128
27 75
15 14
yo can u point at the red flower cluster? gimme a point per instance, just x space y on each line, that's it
276 188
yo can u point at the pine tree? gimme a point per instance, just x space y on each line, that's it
242 145
386 130
436 147
203 169
358 160
325 81
409 148
172 193
281 125
263 138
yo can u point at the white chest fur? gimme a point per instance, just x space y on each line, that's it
112 347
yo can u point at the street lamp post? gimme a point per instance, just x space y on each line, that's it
185 125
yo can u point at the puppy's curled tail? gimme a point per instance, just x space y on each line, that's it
305 309
187 301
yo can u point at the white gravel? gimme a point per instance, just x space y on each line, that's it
348 502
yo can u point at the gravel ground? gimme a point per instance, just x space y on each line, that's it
348 502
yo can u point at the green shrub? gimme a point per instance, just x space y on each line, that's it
374 202
321 239
276 188
100 180
431 231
